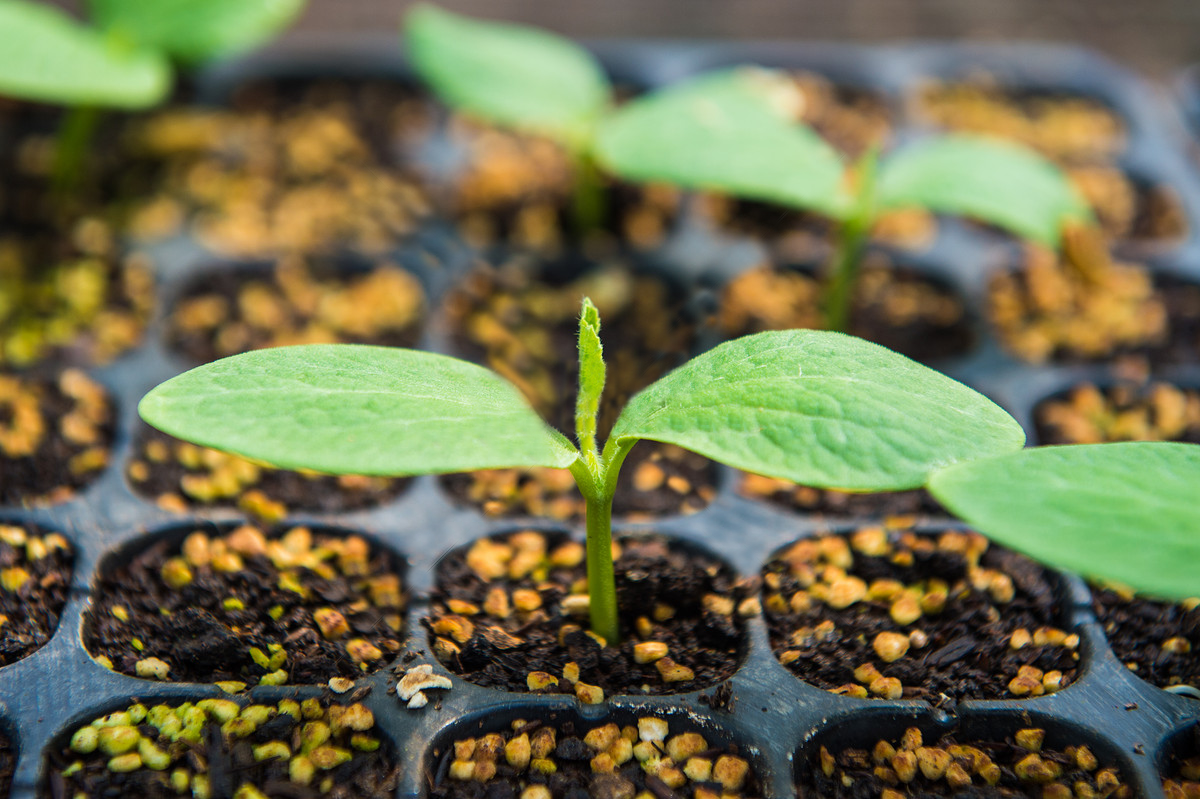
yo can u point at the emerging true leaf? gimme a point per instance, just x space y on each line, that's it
195 30
1125 512
592 374
348 409
45 55
516 76
987 179
726 132
820 408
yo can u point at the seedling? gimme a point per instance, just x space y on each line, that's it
518 77
734 131
817 407
1123 512
122 60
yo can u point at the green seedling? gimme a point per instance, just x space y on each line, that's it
817 407
123 59
1124 512
518 77
734 131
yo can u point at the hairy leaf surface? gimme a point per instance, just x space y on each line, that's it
351 409
820 408
1126 512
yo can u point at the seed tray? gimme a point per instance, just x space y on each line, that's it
774 717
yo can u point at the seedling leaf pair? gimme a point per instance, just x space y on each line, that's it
1125 512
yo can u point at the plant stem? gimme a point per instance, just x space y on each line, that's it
852 240
70 149
602 584
588 209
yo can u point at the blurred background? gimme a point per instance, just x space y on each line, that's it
1155 37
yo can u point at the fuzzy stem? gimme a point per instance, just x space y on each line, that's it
602 584
71 146
852 240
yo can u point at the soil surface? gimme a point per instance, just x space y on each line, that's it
293 607
909 766
289 750
851 118
298 301
1128 209
565 761
1181 774
1155 640
901 615
521 320
1088 414
35 574
1050 311
890 505
55 436
180 476
292 167
511 612
1068 128
896 307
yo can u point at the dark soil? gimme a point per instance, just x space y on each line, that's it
897 307
1181 773
683 599
223 756
851 118
180 476
1065 127
1157 641
333 602
822 502
938 617
999 769
1047 311
1088 414
521 320
583 766
294 167
656 480
35 574
68 296
1129 209
298 301
55 436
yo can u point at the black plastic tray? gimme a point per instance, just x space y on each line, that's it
45 695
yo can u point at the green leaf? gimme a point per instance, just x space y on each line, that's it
821 408
510 74
45 55
988 179
725 132
195 30
1124 512
348 409
592 373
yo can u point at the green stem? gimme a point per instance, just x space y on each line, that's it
852 240
602 584
71 146
588 209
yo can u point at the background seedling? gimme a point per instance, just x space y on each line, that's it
518 77
123 60
735 132
817 407
1123 512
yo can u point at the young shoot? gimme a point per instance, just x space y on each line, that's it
122 60
522 78
734 131
817 407
1123 512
